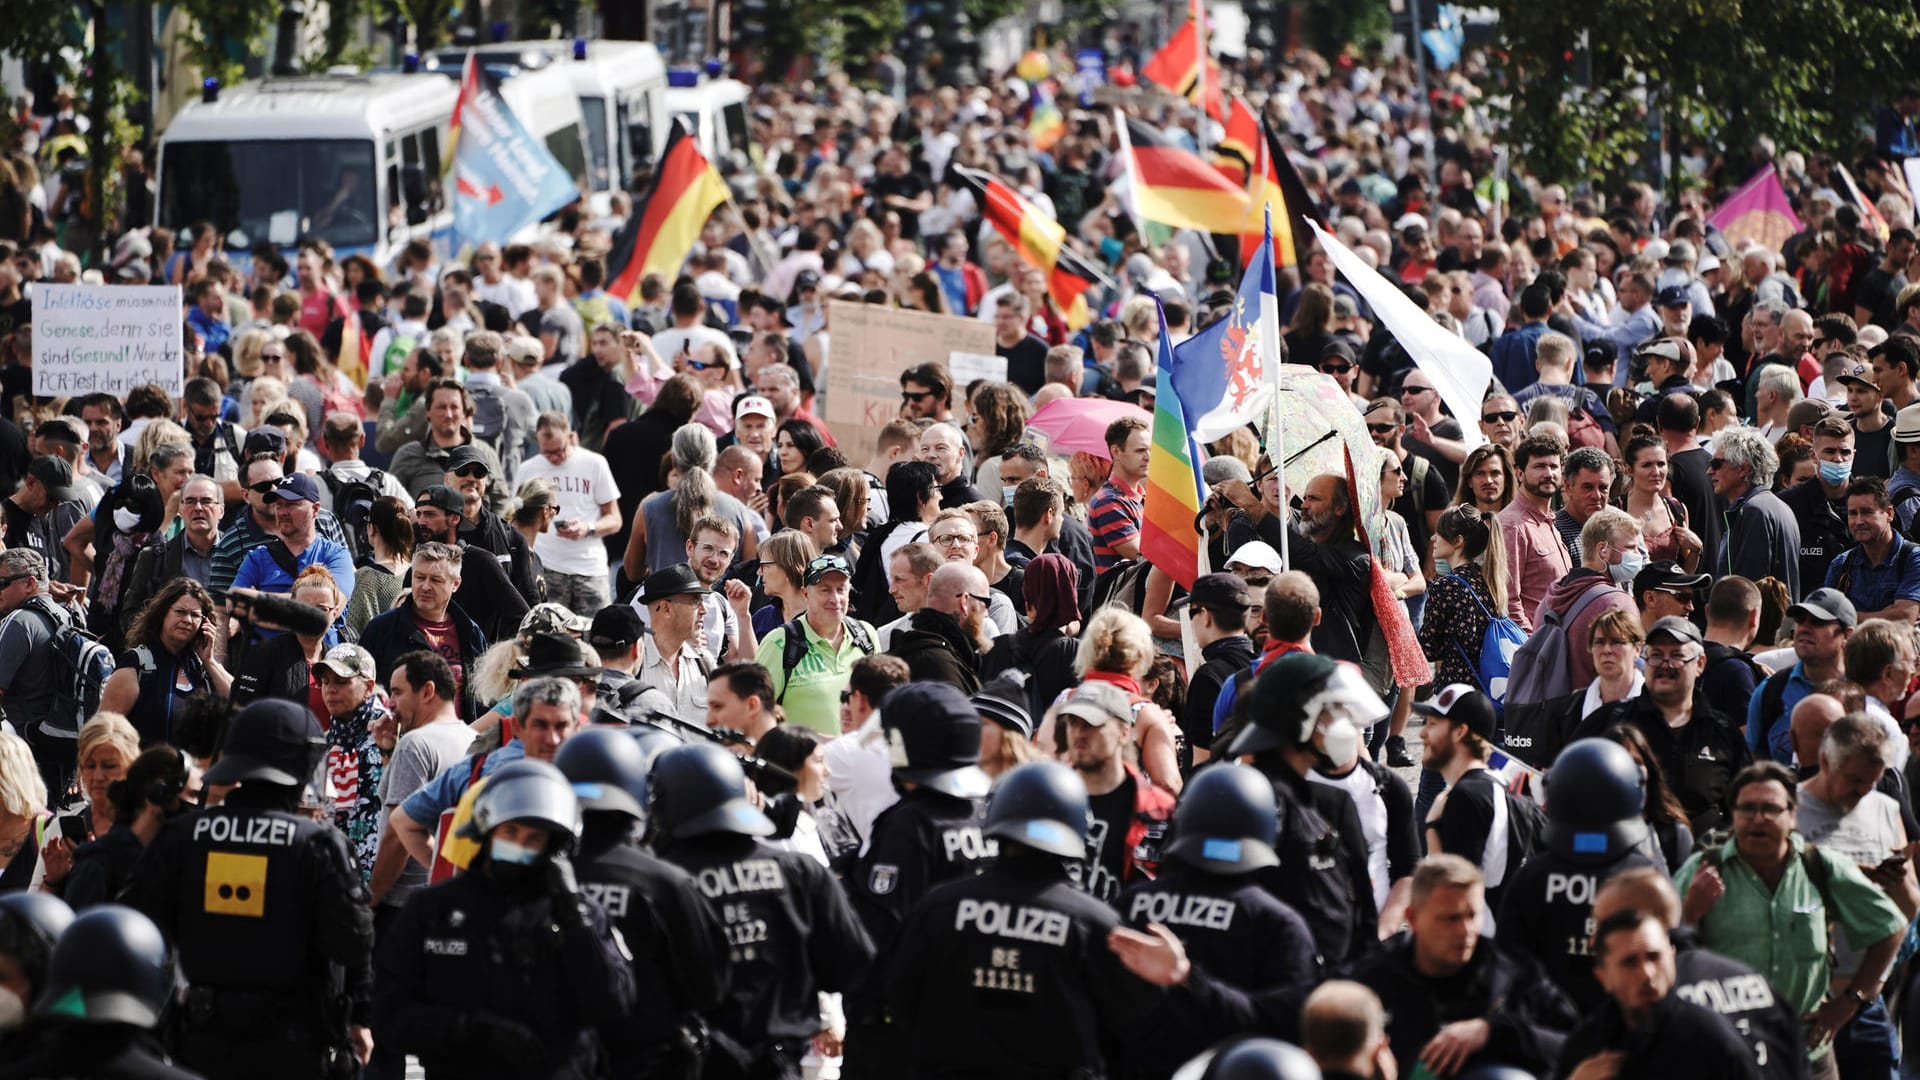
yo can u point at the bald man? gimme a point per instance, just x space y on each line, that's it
1343 1027
945 449
1808 723
943 640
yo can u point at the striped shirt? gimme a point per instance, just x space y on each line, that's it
1113 518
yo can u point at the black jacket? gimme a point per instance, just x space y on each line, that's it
393 634
487 591
1528 1015
157 564
1320 831
1219 660
86 1051
1678 1041
489 533
274 668
1046 656
101 868
936 649
1342 570
1765 1021
1699 760
1547 914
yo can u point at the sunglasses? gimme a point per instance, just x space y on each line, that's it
1335 369
1717 463
1498 417
699 366
913 396
1383 429
11 578
471 469
1257 582
264 487
983 601
1409 390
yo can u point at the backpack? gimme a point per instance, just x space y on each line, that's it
399 347
1539 668
1583 429
353 505
794 649
1124 584
1498 647
1906 511
489 414
81 665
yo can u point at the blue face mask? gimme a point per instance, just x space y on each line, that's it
1006 497
1632 561
502 850
1835 473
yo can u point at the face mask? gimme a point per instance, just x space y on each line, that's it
13 1011
507 853
1341 742
1442 565
1631 562
125 520
1006 497
1835 473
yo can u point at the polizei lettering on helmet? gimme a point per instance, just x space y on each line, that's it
225 829
997 919
1173 909
745 876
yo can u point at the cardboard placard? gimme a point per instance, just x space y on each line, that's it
90 339
872 345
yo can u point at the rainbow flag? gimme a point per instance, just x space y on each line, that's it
1175 489
1759 213
1041 242
1045 125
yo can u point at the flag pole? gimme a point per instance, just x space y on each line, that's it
1198 13
1277 452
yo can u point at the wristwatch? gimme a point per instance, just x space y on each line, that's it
1861 999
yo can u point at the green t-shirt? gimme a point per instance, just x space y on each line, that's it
812 696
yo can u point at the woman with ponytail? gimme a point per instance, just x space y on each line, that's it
660 530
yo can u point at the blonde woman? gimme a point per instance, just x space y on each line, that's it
108 743
27 827
1117 648
263 395
783 564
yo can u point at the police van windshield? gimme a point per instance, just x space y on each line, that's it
275 190
594 110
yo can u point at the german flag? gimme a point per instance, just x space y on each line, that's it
1172 186
1277 186
1235 155
663 228
1177 66
1040 240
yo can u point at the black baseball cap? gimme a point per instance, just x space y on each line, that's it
1826 605
296 487
1217 592
1667 575
264 440
1673 296
467 454
443 497
616 626
1461 704
935 735
55 475
822 565
273 741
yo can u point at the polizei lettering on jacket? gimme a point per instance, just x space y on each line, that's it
1730 996
745 876
1173 909
998 919
222 829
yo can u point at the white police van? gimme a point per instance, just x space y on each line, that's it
715 110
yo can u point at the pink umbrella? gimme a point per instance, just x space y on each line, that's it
1072 424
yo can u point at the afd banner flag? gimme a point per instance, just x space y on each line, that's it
503 178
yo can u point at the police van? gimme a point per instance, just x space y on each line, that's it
715 110
355 160
621 87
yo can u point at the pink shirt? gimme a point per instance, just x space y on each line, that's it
1536 558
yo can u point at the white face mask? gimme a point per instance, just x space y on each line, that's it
1341 740
126 519
506 851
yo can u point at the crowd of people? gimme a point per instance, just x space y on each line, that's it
471 666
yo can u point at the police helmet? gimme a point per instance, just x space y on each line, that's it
933 738
1042 805
532 793
1287 699
1226 821
272 741
700 789
654 740
1251 1059
1595 795
110 966
608 770
30 923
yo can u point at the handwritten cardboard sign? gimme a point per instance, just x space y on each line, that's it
90 339
872 345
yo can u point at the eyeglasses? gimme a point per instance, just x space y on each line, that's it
1503 417
708 551
950 540
1668 659
1383 429
1764 811
200 501
1612 643
471 469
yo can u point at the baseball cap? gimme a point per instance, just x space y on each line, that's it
806 279
55 475
467 454
676 580
1099 702
1666 574
1679 252
1216 591
754 405
441 496
1665 348
823 565
1673 296
264 742
616 626
1004 701
1708 263
1808 411
1675 629
1858 373
1826 605
349 662
1461 704
1257 554
525 350
298 486
265 440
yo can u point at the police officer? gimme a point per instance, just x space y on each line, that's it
1010 972
1303 710
1252 957
1595 795
790 931
1251 1059
507 969
679 954
30 922
930 836
107 985
267 910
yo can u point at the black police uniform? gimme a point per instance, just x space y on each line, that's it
478 978
1323 860
1527 1015
1677 1041
1547 913
89 1052
923 840
1008 975
1764 1021
267 912
674 936
790 933
1254 963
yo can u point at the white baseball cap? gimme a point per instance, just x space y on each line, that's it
1257 554
754 405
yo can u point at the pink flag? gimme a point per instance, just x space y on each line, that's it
1759 212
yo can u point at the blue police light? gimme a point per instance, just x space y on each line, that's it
683 78
497 31
579 48
712 67
209 90
410 63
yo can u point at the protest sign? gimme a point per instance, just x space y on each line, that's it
968 367
872 345
93 339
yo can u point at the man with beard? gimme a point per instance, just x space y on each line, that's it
471 473
728 626
942 641
1324 545
483 586
1698 749
1536 556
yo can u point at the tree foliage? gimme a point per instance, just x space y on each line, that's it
1807 73
232 32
